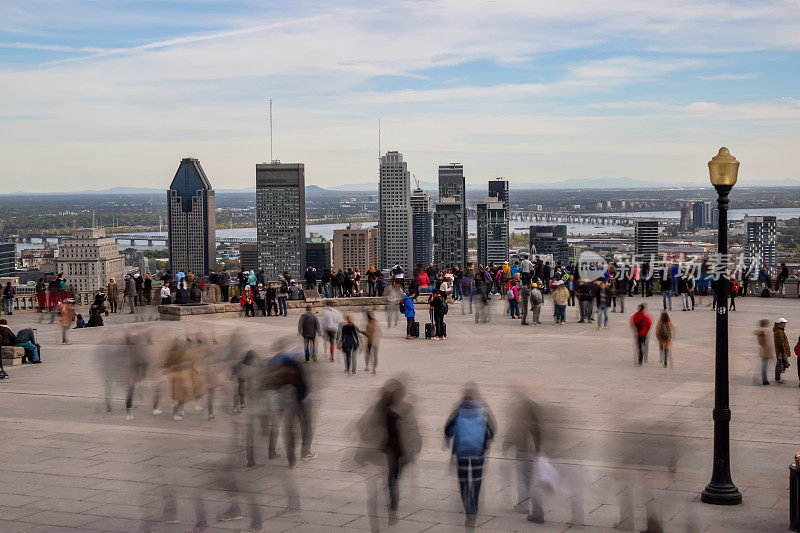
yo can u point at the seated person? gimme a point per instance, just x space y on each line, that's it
79 322
95 319
27 340
195 294
182 296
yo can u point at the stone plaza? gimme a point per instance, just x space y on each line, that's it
629 442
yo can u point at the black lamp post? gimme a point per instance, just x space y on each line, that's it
723 169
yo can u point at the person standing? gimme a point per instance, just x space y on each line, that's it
224 285
766 353
560 297
41 295
524 303
66 318
665 330
308 327
130 293
139 284
641 323
440 309
471 427
536 303
148 288
246 301
348 343
666 291
213 286
512 295
283 295
8 294
408 312
782 349
621 287
371 277
603 298
112 295
311 277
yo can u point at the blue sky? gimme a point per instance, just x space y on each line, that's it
99 93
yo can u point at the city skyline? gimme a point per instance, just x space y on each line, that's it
533 93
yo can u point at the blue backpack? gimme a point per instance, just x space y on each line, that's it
470 432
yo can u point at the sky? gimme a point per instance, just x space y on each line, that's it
98 94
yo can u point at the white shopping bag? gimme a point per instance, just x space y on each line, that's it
545 476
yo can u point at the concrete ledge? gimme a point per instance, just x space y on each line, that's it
12 355
206 311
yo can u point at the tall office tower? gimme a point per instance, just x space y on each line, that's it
702 214
8 259
453 185
492 232
192 227
89 259
550 240
319 252
498 188
422 225
248 256
355 246
448 234
686 216
281 218
760 244
394 226
715 218
646 240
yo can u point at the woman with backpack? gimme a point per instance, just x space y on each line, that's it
471 426
665 329
512 295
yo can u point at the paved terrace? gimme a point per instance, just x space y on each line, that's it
612 429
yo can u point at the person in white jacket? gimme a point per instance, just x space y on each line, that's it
331 322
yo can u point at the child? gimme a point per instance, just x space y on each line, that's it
79 323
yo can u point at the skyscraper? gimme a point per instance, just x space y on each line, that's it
281 218
319 252
192 227
453 185
394 226
498 188
550 239
646 240
448 233
422 224
8 258
686 216
355 246
89 259
702 214
760 244
492 231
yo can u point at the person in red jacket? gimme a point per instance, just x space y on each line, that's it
641 322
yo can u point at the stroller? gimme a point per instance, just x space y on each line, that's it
99 305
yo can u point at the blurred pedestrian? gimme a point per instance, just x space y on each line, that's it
765 349
641 323
66 318
130 293
348 342
331 324
665 330
372 332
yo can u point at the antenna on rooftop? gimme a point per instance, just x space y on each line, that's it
416 181
271 159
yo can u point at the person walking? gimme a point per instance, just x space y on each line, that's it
782 349
292 375
734 292
603 298
66 318
665 330
308 327
408 312
641 323
372 332
331 323
765 349
525 302
536 303
130 293
471 427
666 291
348 343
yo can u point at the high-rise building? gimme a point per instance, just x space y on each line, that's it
422 226
319 252
448 234
760 244
192 228
355 246
394 226
686 216
8 259
550 240
646 240
498 188
248 256
89 259
492 231
702 214
281 218
452 184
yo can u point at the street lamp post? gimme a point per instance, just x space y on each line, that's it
723 169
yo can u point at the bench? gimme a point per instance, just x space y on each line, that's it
12 355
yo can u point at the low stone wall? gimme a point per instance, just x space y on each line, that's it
206 311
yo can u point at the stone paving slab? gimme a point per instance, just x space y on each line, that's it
611 429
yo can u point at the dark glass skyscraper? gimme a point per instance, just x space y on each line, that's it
281 218
453 185
492 232
550 239
192 227
421 224
498 188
